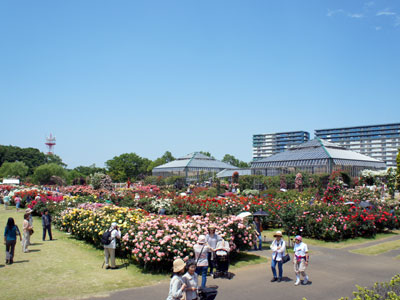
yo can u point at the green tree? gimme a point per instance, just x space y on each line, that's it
14 169
55 159
166 158
44 174
230 159
127 165
206 153
32 157
398 171
89 170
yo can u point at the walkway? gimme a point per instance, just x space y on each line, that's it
333 273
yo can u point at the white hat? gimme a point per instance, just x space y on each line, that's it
114 224
278 233
201 239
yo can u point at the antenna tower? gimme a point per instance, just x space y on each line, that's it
50 143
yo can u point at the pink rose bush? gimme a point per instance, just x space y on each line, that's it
157 241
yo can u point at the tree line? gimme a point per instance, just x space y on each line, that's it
34 166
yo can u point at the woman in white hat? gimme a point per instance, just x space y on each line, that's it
177 286
278 248
201 250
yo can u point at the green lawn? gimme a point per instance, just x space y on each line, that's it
335 245
63 268
68 268
378 249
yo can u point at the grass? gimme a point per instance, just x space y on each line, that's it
336 245
63 268
245 259
66 268
378 249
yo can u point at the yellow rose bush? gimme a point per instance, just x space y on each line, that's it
89 221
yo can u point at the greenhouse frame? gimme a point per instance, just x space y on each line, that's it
194 167
316 157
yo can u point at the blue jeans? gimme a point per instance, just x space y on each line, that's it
259 243
273 267
203 272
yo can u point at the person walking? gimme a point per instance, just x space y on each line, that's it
17 201
10 239
258 226
300 260
30 220
26 233
278 247
6 200
201 250
46 224
212 239
109 250
190 279
177 286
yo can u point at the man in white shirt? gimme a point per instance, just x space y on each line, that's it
109 250
300 260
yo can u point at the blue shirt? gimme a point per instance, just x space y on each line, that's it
11 234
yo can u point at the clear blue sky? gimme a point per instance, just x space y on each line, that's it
110 77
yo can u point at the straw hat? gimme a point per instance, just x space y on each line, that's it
28 210
202 239
278 233
211 227
178 265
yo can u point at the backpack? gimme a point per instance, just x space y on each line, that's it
106 238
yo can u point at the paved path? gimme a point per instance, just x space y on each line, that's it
333 273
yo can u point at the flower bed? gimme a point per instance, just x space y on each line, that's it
156 242
89 222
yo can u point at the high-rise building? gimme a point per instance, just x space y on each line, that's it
267 144
378 141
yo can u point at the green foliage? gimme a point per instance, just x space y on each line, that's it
14 169
44 173
391 181
55 159
32 157
101 181
380 291
398 171
166 158
230 159
90 170
206 153
127 166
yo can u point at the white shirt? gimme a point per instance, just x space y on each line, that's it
191 281
114 235
203 259
277 254
175 288
300 249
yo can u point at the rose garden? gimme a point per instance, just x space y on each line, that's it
321 207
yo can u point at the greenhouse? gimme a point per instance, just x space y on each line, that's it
315 157
194 167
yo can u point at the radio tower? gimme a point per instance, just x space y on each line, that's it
50 143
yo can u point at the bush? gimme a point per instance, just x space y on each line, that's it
380 291
43 174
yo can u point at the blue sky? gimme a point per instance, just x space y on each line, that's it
110 77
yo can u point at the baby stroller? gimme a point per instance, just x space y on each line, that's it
208 293
222 260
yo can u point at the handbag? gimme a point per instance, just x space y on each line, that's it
31 231
286 258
